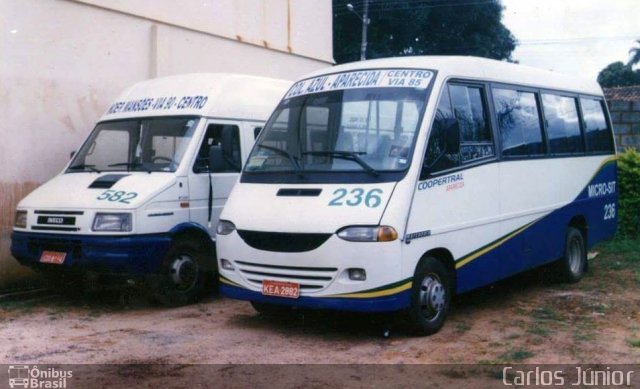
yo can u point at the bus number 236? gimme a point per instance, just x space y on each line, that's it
356 196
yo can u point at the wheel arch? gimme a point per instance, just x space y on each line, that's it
194 231
446 258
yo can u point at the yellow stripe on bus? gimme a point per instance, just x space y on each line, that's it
485 250
228 282
379 293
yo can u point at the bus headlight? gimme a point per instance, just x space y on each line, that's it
21 219
225 227
368 234
112 222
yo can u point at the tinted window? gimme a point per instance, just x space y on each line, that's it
475 134
465 105
519 122
227 139
596 130
436 158
563 126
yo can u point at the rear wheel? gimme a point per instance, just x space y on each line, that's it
574 262
430 297
183 276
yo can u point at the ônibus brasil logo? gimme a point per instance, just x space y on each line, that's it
25 376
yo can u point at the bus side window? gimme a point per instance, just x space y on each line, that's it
597 131
437 158
563 125
476 139
519 123
231 160
462 109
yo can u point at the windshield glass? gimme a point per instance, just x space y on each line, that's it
150 145
368 130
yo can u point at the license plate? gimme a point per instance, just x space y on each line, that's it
55 257
281 289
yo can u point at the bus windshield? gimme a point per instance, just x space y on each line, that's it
368 130
149 145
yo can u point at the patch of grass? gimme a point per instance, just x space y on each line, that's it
516 355
620 254
547 313
538 329
462 327
635 342
582 336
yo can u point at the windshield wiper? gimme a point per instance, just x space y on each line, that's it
84 166
131 165
287 154
348 155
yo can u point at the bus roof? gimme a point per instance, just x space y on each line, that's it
476 68
219 95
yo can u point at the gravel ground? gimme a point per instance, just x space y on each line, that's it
526 319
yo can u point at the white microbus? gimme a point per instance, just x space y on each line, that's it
142 196
393 184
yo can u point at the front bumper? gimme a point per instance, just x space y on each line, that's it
134 255
389 303
321 273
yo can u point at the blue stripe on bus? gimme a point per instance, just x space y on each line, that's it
543 241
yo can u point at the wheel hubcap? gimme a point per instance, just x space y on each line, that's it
184 272
575 256
432 296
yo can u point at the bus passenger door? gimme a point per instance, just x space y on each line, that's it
224 138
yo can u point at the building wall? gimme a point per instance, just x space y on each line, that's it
63 61
625 116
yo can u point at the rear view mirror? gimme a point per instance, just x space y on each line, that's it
72 154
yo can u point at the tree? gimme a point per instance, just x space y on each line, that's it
422 27
635 55
618 74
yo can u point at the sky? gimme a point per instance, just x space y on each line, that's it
577 37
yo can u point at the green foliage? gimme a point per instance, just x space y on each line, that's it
621 254
416 27
618 74
635 54
629 195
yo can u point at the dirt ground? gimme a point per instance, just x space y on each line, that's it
526 319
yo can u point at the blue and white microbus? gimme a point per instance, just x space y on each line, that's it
393 184
141 198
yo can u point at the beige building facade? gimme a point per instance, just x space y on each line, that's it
64 61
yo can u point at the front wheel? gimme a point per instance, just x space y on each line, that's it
430 297
574 262
183 276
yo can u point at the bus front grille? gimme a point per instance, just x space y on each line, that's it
284 242
309 278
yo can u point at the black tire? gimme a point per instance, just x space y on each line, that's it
183 276
271 310
430 297
573 263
